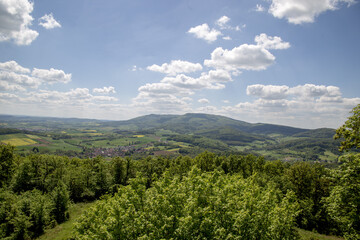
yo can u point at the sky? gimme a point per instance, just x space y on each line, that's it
288 62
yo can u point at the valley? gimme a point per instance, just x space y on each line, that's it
166 135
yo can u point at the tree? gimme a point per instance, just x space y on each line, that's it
6 163
60 202
343 204
350 131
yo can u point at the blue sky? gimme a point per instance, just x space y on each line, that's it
290 62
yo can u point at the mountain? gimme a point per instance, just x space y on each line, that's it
192 122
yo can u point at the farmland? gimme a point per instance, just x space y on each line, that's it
188 134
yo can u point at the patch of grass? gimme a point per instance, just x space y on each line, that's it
308 235
64 231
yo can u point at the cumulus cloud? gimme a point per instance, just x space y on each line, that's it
222 22
291 106
268 42
303 92
104 90
175 67
204 101
5 86
204 32
303 11
77 96
13 66
302 106
268 91
48 21
163 88
15 20
247 57
51 76
311 91
20 79
160 103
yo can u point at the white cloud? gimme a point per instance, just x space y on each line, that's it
211 80
308 105
227 38
15 20
268 42
13 66
259 8
204 32
104 90
303 11
247 57
175 67
5 86
48 21
183 81
105 98
267 91
311 91
163 88
203 101
205 81
21 79
301 92
160 103
52 76
18 77
222 22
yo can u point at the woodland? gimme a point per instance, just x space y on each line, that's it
208 196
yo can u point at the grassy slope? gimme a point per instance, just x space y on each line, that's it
308 235
63 231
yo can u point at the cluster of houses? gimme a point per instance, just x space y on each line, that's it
119 151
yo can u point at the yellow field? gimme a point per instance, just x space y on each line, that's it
32 136
19 141
94 134
89 130
139 136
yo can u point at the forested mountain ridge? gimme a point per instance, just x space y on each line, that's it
191 122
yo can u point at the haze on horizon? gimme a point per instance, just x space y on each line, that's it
288 62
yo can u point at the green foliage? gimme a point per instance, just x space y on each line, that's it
350 131
6 163
60 203
201 206
210 196
311 183
343 204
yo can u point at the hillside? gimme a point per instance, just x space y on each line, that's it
190 133
191 122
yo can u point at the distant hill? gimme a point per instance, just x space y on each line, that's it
192 122
188 133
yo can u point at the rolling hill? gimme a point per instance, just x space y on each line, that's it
188 133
